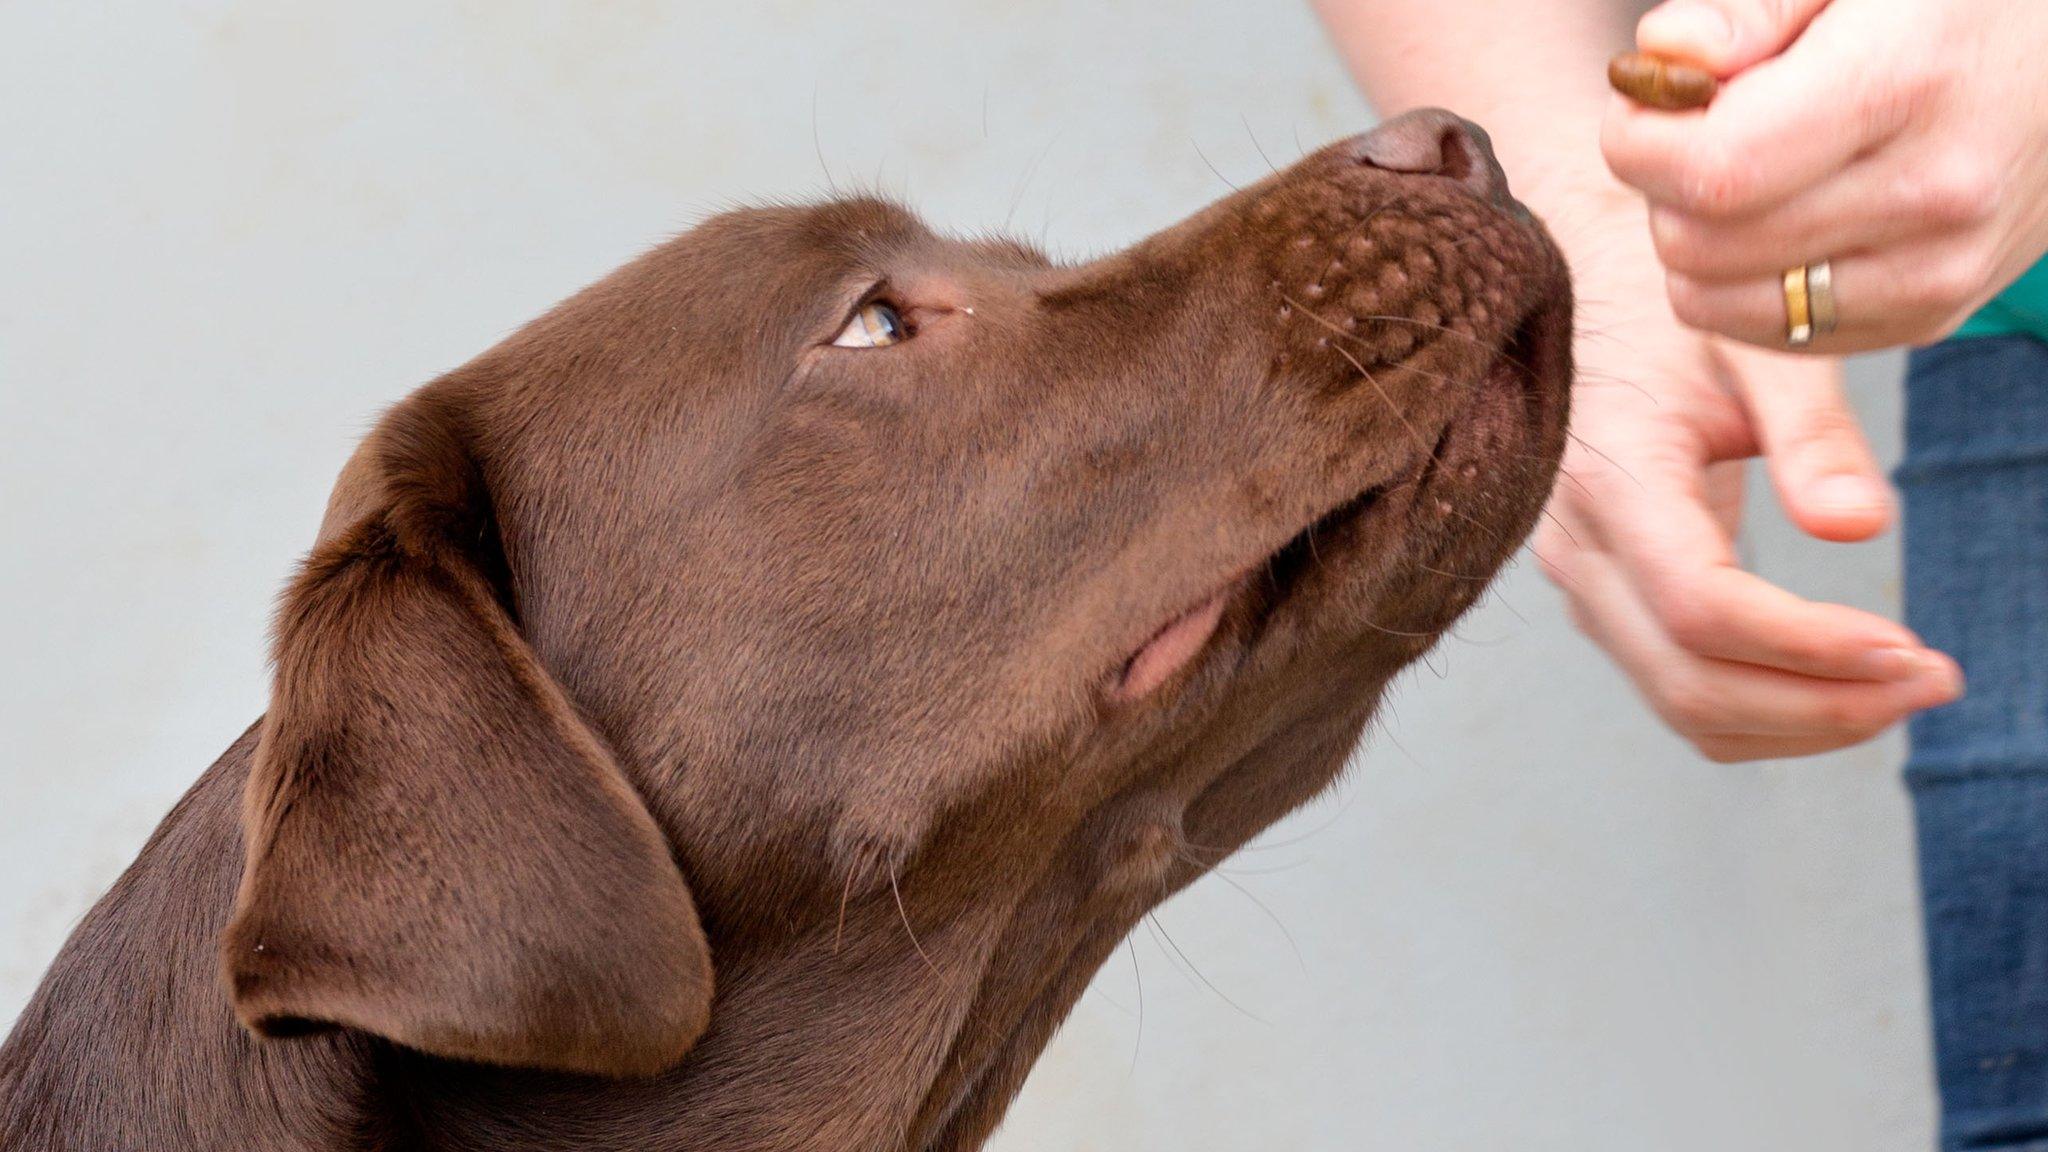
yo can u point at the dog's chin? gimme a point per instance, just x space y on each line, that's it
1378 539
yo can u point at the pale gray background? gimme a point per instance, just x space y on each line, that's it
230 232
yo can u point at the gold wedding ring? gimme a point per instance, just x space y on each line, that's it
1798 309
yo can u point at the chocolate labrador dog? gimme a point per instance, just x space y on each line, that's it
743 709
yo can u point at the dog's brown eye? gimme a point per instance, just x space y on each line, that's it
876 325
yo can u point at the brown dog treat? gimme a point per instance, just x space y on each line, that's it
1660 82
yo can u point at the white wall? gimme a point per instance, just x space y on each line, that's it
231 231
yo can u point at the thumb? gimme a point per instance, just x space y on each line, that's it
1724 36
1818 457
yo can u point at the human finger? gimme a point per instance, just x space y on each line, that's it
1875 205
1910 295
1819 459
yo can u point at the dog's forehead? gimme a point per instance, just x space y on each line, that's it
865 235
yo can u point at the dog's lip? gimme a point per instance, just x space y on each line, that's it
1186 636
1179 642
1280 564
1176 643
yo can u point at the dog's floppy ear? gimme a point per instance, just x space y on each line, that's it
439 850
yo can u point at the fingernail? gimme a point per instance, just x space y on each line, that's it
1891 664
1924 664
1849 493
1684 24
1945 672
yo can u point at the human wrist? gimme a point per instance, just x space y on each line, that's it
1603 229
1594 218
1555 167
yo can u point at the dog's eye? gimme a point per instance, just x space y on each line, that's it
876 325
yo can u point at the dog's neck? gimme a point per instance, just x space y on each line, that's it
911 1022
910 1025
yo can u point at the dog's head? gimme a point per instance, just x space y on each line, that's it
883 621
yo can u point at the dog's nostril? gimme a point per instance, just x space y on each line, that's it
1456 149
1433 142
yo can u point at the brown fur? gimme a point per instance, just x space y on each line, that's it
665 639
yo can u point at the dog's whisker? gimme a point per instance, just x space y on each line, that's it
1260 148
818 144
1496 598
904 914
1566 474
1584 377
1449 575
1399 632
1137 979
1218 868
1219 172
1552 567
1413 432
1152 918
1386 728
1461 242
1448 331
1270 915
1491 532
1024 182
1414 368
1439 673
845 891
1493 643
1584 443
1255 846
1596 382
1553 518
1594 332
1291 866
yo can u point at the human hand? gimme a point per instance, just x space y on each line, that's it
1905 141
1641 539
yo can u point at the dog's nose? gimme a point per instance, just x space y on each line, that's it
1433 142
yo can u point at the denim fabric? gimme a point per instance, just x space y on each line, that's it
1975 480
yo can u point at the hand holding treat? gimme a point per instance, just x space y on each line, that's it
1869 172
1642 536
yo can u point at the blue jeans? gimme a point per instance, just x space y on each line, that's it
1975 480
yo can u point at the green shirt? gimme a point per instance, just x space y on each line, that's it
2020 310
